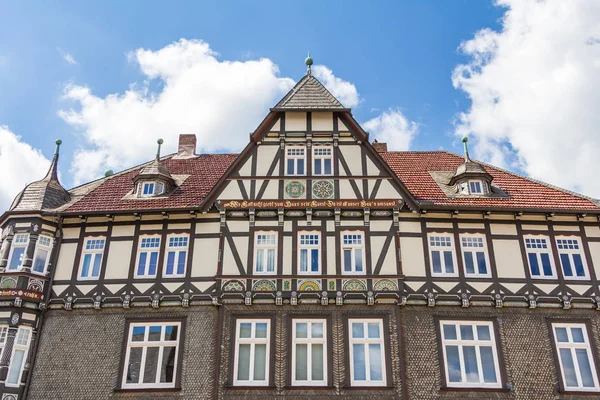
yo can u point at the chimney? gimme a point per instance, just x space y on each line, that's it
187 146
379 147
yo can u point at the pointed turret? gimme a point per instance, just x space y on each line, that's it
45 194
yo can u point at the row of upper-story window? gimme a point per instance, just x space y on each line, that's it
476 261
470 353
442 255
18 355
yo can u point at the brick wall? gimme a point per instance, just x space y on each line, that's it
80 352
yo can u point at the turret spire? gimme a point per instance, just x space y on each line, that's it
465 140
53 170
160 142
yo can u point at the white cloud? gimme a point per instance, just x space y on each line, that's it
392 127
20 164
67 56
343 90
187 90
535 91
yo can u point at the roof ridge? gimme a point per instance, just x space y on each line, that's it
549 185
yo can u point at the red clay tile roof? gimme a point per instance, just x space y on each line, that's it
204 172
412 169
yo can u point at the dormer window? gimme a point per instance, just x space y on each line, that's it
476 187
150 189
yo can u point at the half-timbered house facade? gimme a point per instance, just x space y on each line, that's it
315 263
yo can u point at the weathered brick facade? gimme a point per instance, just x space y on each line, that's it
90 343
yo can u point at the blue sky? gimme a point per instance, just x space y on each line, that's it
399 56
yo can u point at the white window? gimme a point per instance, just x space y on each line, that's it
309 252
322 160
470 354
152 189
476 187
353 253
251 361
148 250
442 255
3 333
265 252
17 251
539 255
42 255
577 367
572 258
152 355
309 352
175 260
91 258
19 354
475 255
295 160
367 352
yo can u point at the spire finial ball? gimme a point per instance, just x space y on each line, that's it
58 142
309 60
160 141
465 139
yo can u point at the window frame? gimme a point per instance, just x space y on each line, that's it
14 245
125 354
265 248
324 341
570 252
476 181
495 344
382 340
94 253
354 248
141 250
589 345
268 340
48 247
309 248
3 337
538 253
178 250
442 259
321 159
25 348
486 254
295 158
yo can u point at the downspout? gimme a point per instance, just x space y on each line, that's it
47 294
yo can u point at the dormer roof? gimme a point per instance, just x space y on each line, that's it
469 169
44 194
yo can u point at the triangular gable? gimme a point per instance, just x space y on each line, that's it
309 94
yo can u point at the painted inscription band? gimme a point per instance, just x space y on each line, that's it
21 293
228 204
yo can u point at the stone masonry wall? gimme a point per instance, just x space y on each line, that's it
80 352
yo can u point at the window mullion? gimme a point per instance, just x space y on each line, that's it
159 363
463 374
142 365
479 363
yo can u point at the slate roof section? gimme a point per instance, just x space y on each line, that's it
45 194
309 94
413 168
108 194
